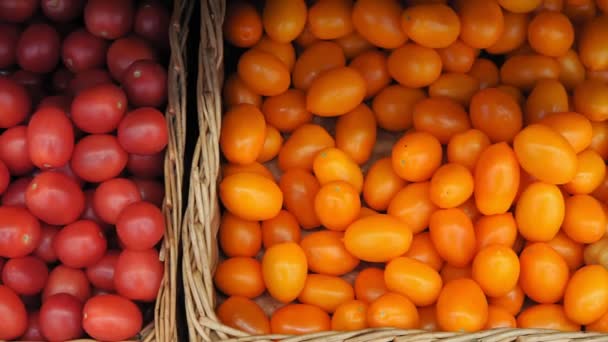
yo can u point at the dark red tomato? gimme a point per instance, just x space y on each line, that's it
111 310
2 262
124 52
33 332
61 102
45 249
14 316
26 276
99 109
33 83
109 19
89 212
140 226
146 166
31 302
5 177
17 11
9 36
61 81
61 10
50 138
14 152
63 279
14 195
151 191
61 317
15 103
143 131
152 23
19 232
145 82
38 48
80 244
98 157
138 274
101 274
112 196
55 198
88 79
82 51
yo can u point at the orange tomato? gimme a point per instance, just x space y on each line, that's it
365 212
242 24
449 272
451 185
416 156
462 306
498 161
288 320
377 238
440 116
591 170
326 254
431 25
547 96
482 23
453 235
601 192
574 127
283 51
544 273
590 100
244 314
272 144
523 71
413 279
326 292
486 72
470 209
337 205
601 325
392 310
585 219
236 92
423 250
414 66
263 73
457 57
284 20
251 196
372 65
331 19
243 134
456 86
545 154
378 21
544 198
603 5
599 138
381 184
332 164
513 35
353 44
580 11
240 276
513 92
496 270
572 71
586 297
356 133
287 111
255 167
495 113
314 60
511 302
369 284
413 205
466 147
498 229
302 146
299 189
306 38
282 228
550 33
546 316
595 253
551 5
394 107
350 316
335 92
499 318
592 44
520 6
239 237
428 318
285 269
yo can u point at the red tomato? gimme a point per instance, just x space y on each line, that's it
9 35
146 166
123 52
38 48
99 109
145 82
123 315
87 79
80 244
45 251
151 191
5 177
138 274
61 10
109 19
55 198
82 51
26 276
89 212
19 232
60 317
152 22
50 138
140 226
12 311
17 11
63 279
101 274
143 131
15 103
112 196
61 82
15 193
13 150
33 332
98 157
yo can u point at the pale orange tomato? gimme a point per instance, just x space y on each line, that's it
243 134
496 270
499 229
251 196
379 22
544 198
512 302
394 107
414 66
584 219
377 238
498 161
326 254
574 127
569 249
413 279
590 173
336 92
332 164
586 297
416 156
413 205
326 292
356 133
462 306
285 269
284 20
381 184
453 235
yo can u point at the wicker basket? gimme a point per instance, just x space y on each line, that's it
202 220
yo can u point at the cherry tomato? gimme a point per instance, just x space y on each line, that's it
499 229
492 197
584 219
584 297
523 71
140 226
574 127
50 138
82 51
350 316
332 164
431 25
244 314
15 103
20 232
302 146
61 10
377 238
551 33
499 318
394 105
510 302
145 83
284 268
143 131
240 276
286 111
125 316
63 279
331 19
233 187
326 254
544 273
336 92
138 275
243 134
372 65
98 158
112 196
590 44
314 60
455 86
458 57
482 23
413 205
99 109
45 251
536 197
369 284
26 276
101 273
55 198
263 73
495 113
381 184
237 237
80 244
284 21
38 48
60 317
451 186
440 116
12 309
414 66
108 19
416 156
152 22
514 34
496 281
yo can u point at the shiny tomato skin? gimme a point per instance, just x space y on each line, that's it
377 238
101 274
99 109
108 19
45 251
263 197
151 191
140 226
124 52
20 232
152 22
244 314
143 131
112 196
15 103
98 158
15 193
14 152
81 51
61 10
38 48
493 197
284 269
145 82
138 275
60 317
9 35
63 279
26 276
80 244
12 310
103 311
288 320
148 166
55 198
50 138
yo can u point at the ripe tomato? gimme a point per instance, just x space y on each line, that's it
350 316
416 156
572 71
589 100
550 33
523 71
462 306
45 251
546 316
286 111
441 117
544 273
263 73
574 127
236 92
498 229
38 48
379 22
101 274
326 254
356 133
98 158
392 310
63 279
16 103
540 197
590 173
377 238
12 309
510 302
242 24
244 314
332 164
284 269
422 249
283 51
451 185
146 166
237 237
372 65
315 60
15 192
590 44
239 276
414 66
14 150
394 106
108 19
381 184
353 44
482 23
547 96
326 292
457 57
284 21
112 196
486 72
413 206
585 299
143 131
81 51
299 188
599 326
80 244
455 86
584 219
60 317
126 51
138 275
496 114
99 109
145 83
87 79
453 236
103 308
370 285
282 228
496 281
499 318
431 25
26 276
570 250
416 280
265 196
514 34
50 138
303 145
20 232
272 145
288 320
243 133
599 139
465 148
335 92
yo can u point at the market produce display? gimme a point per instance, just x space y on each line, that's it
82 149
435 165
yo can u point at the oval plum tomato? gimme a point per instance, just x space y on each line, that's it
138 275
82 51
143 131
50 138
151 191
9 36
38 48
240 276
124 52
356 133
152 22
63 279
498 161
326 292
299 188
112 196
452 233
55 198
45 251
547 96
431 25
411 278
315 60
332 164
88 79
499 318
284 269
457 57
288 320
486 72
416 156
283 51
303 145
514 34
544 273
590 100
466 147
98 157
326 254
101 273
440 116
237 237
540 197
392 310
584 219
591 42
337 205
242 134
462 306
381 184
377 238
413 206
33 332
496 114
572 71
523 71
423 250
510 302
124 316
273 141
336 92
263 73
26 276
15 103
61 10
17 11
145 82
369 284
586 296
546 316
60 317
14 196
12 309
455 86
394 105
331 19
451 185
243 314
496 281
414 66
591 170
481 23
379 22
282 228
372 66
350 316
551 33
283 21
146 166
20 232
140 226
574 127
265 201
570 250
109 19
499 229
80 244
286 111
